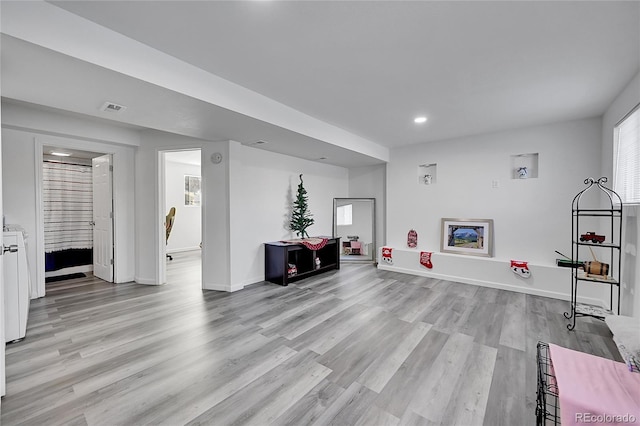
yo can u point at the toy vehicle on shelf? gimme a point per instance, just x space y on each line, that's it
593 237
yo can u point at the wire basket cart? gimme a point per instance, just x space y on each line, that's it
547 404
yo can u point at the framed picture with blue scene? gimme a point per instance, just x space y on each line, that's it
467 236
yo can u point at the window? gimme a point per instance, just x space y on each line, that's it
191 190
626 157
343 215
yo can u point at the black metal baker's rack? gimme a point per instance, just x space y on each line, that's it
610 212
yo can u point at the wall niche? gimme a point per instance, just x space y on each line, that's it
524 166
428 174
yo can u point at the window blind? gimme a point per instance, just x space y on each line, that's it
626 167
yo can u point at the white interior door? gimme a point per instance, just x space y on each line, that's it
103 218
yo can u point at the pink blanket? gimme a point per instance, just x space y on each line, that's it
595 390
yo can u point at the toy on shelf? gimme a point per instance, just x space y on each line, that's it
292 270
567 262
522 172
593 237
595 268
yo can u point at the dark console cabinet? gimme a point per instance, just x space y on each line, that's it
279 255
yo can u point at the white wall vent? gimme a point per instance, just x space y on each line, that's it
112 107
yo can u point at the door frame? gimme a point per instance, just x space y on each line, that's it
40 284
161 260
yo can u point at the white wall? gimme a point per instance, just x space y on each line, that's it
24 117
19 189
216 209
245 201
532 217
263 188
630 291
150 212
371 182
20 156
186 233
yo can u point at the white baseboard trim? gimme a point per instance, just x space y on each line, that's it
254 280
146 281
236 288
128 279
222 287
491 284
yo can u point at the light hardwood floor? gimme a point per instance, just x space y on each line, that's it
357 346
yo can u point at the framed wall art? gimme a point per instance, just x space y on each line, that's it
191 190
467 236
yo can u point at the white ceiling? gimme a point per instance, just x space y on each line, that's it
74 154
50 80
368 67
191 157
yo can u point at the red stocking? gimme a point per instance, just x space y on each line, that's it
521 268
425 259
387 255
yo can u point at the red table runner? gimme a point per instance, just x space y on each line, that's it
312 243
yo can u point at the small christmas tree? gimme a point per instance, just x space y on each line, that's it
301 216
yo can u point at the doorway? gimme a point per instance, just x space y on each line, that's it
182 209
77 206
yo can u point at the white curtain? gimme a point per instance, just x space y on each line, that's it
68 206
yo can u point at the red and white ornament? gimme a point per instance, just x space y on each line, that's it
412 239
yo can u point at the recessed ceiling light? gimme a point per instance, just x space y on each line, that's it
60 154
323 158
419 120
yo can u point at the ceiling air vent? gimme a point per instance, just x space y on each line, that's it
112 107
